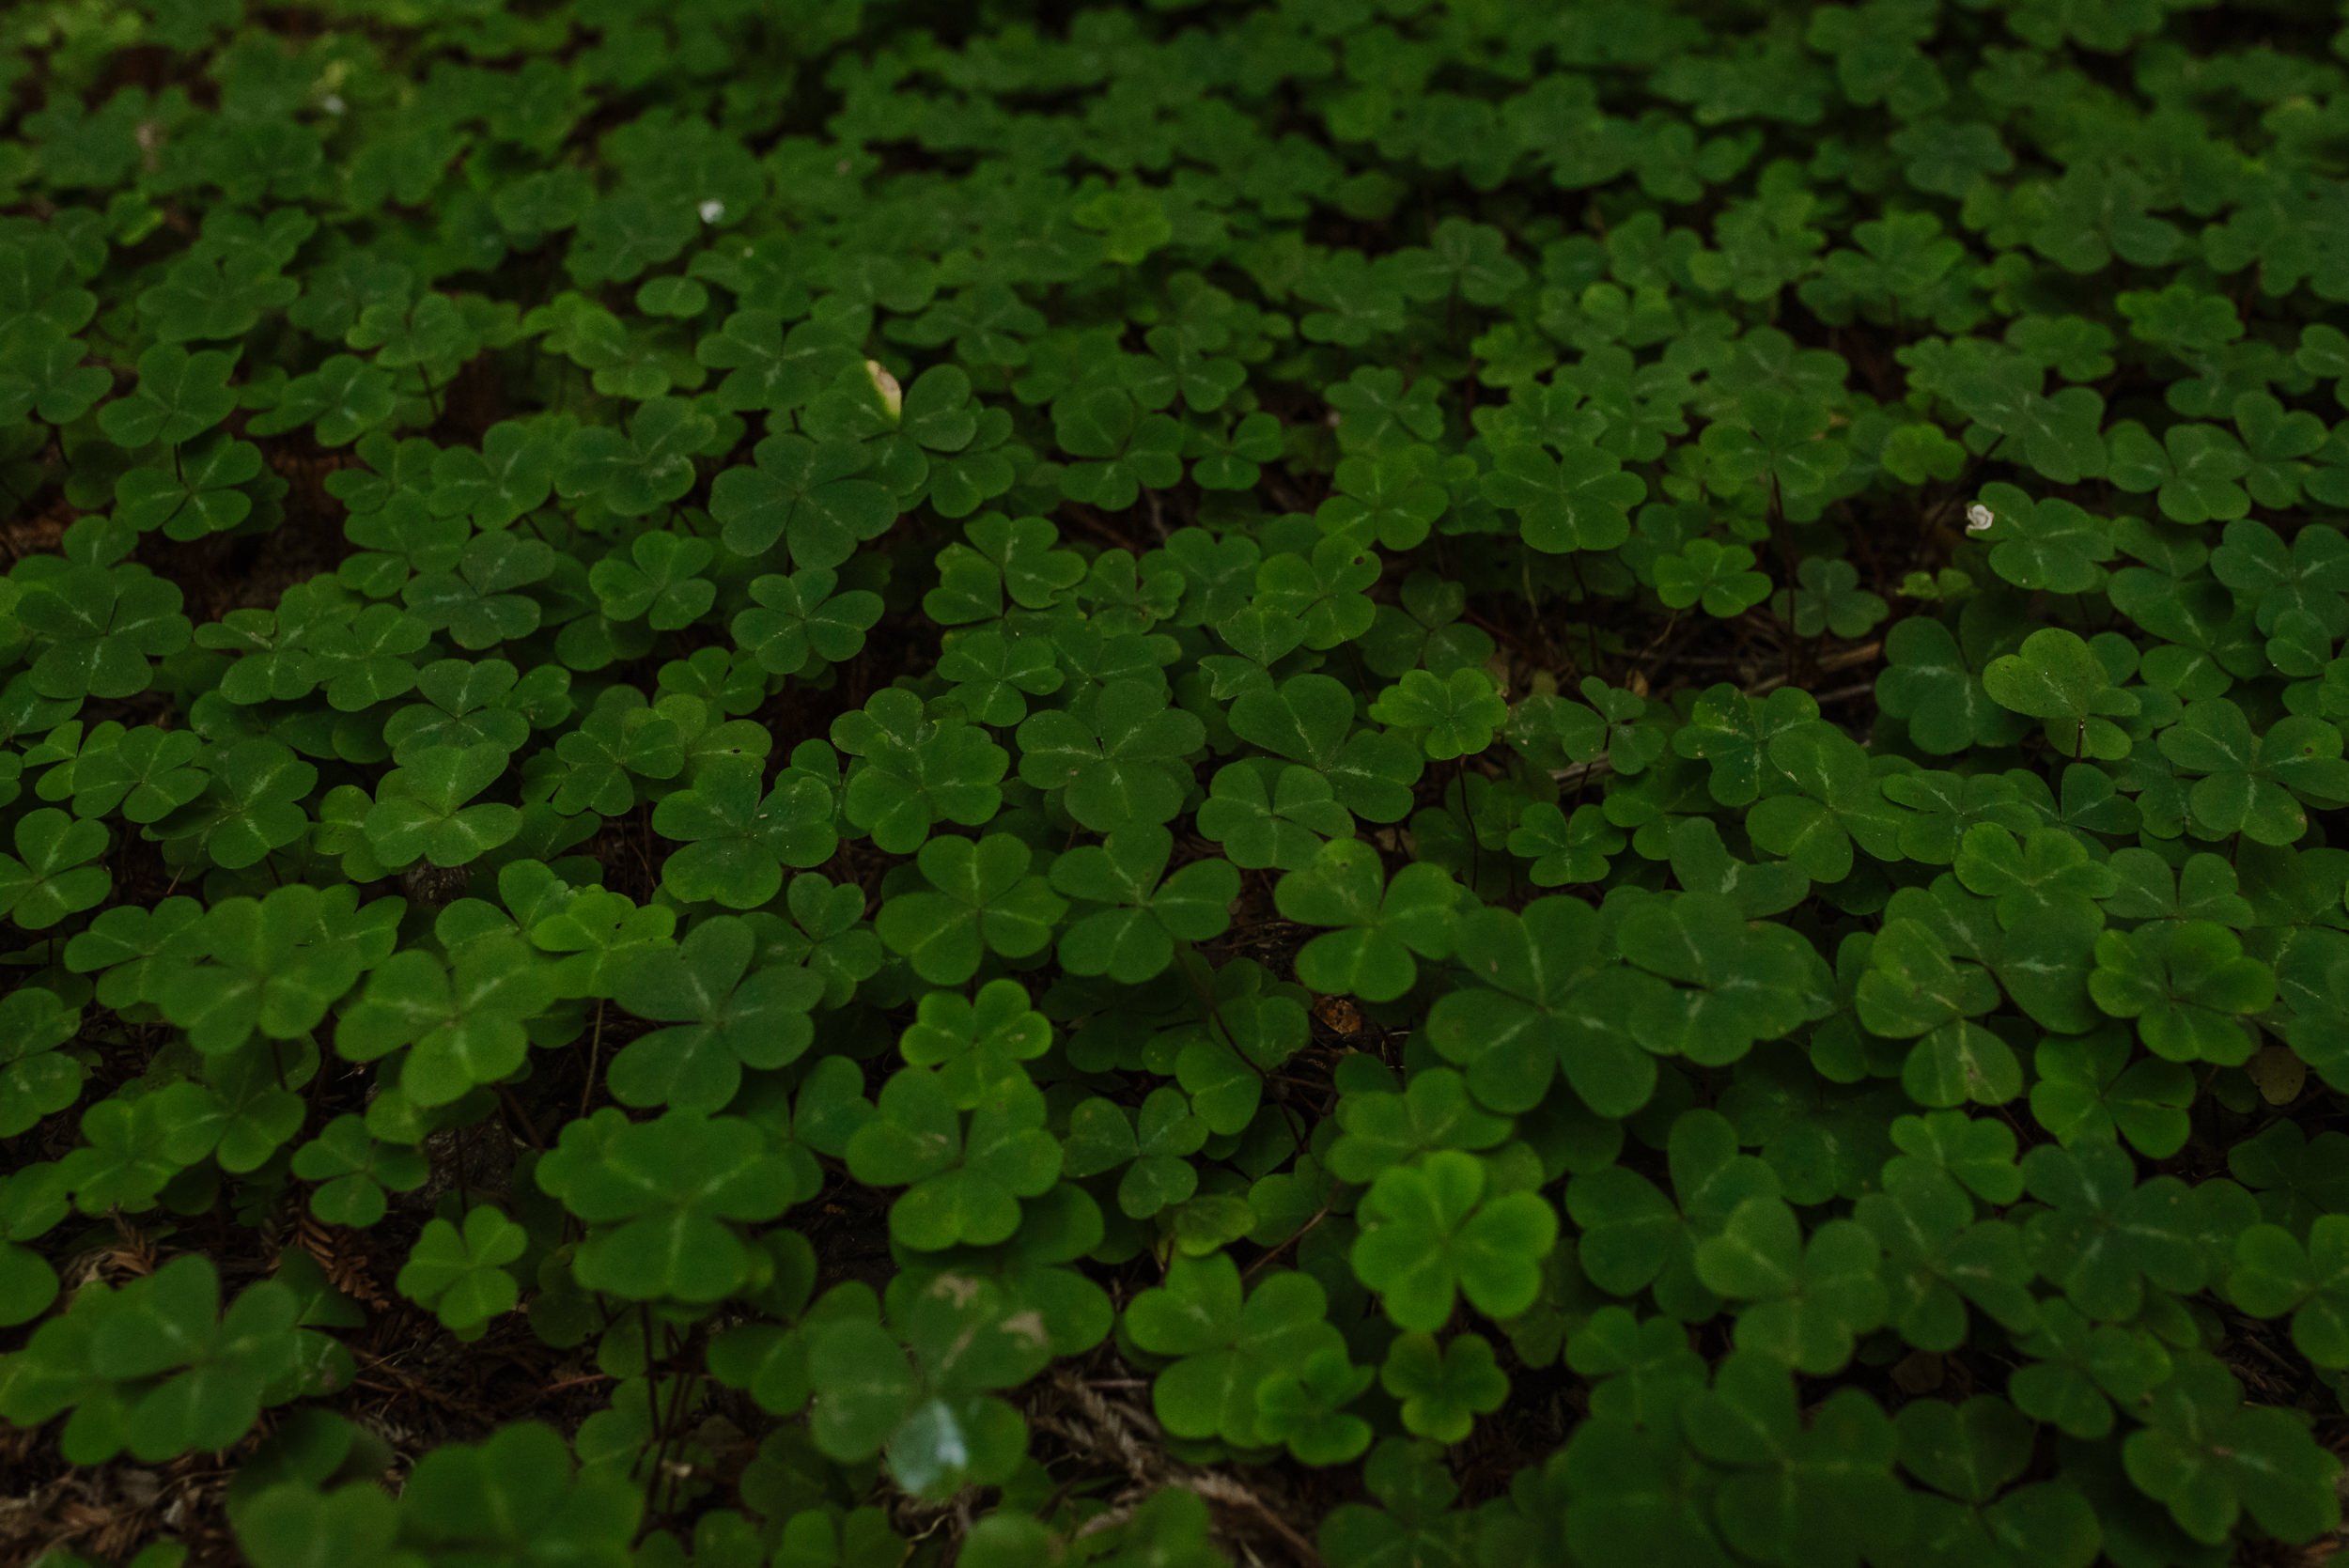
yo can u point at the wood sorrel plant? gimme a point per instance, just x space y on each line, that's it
847 782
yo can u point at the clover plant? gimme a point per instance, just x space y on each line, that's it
845 783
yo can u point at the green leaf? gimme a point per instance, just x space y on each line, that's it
1224 1349
1579 501
663 1199
805 496
461 1275
964 1182
982 897
1124 763
1454 717
1142 911
1444 1388
2058 678
421 811
1430 1231
2273 1274
178 396
1380 925
724 1015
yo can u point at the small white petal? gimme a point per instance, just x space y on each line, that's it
1978 519
712 210
332 103
891 396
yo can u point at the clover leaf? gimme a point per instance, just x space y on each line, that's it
913 770
1226 1348
2058 678
2208 1456
2187 985
2104 1235
801 619
178 396
1144 910
421 810
1123 762
737 840
101 629
1269 814
1546 1000
664 1198
1810 1300
643 469
1126 449
1430 1231
464 1021
49 876
982 898
964 1180
975 1043
1444 1388
2274 1274
1381 924
157 1367
1305 1408
805 496
272 964
723 1014
1579 501
1455 717
461 1275
2252 784
355 1172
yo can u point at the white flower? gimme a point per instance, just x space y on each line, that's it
1978 519
332 103
891 396
712 210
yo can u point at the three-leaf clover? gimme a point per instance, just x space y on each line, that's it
1142 911
737 839
1266 813
178 396
425 810
51 874
464 1021
964 1181
2057 676
1380 925
1432 1230
1443 1387
1807 1302
913 769
2274 1274
804 495
2188 985
1123 761
664 1198
643 469
461 1274
1226 1348
982 898
353 1173
1581 500
2252 784
1454 717
725 1011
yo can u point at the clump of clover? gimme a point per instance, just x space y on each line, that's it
819 785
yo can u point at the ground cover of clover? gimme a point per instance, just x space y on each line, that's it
850 784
